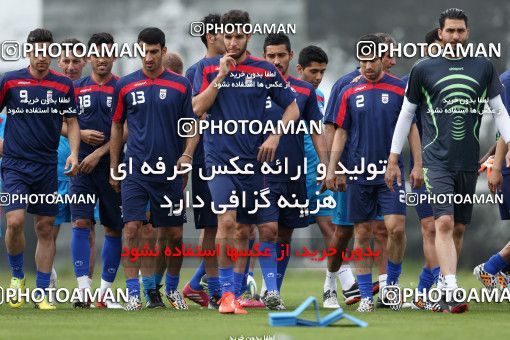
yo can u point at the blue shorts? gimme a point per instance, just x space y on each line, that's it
311 191
340 216
27 177
64 211
136 193
222 187
504 207
365 202
204 217
424 209
289 218
97 183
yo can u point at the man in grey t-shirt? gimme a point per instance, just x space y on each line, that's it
454 92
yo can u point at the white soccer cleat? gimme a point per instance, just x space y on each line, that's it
488 280
252 286
133 303
330 299
503 280
366 305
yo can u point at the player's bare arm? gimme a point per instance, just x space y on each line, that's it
336 153
402 129
203 101
416 176
495 178
116 142
489 153
73 134
267 150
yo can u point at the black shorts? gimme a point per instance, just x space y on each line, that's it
441 184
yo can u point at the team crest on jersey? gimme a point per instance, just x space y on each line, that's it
385 98
109 101
162 93
49 95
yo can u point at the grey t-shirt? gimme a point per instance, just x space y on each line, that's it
453 92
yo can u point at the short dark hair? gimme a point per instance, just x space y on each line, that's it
372 41
235 16
431 36
277 39
311 54
40 35
386 37
100 39
174 62
71 42
214 19
452 13
152 36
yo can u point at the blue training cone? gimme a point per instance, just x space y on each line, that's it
286 319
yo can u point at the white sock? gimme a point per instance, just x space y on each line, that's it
330 281
53 276
450 282
83 284
346 277
263 288
440 282
105 285
382 281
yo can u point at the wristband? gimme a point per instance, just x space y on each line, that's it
185 154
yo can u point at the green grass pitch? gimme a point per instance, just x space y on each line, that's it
482 321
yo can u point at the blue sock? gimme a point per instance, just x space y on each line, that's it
281 265
148 283
495 264
80 251
171 282
365 285
112 247
194 283
214 286
268 265
435 273
133 287
426 279
393 270
158 278
42 280
244 286
226 280
238 283
16 263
